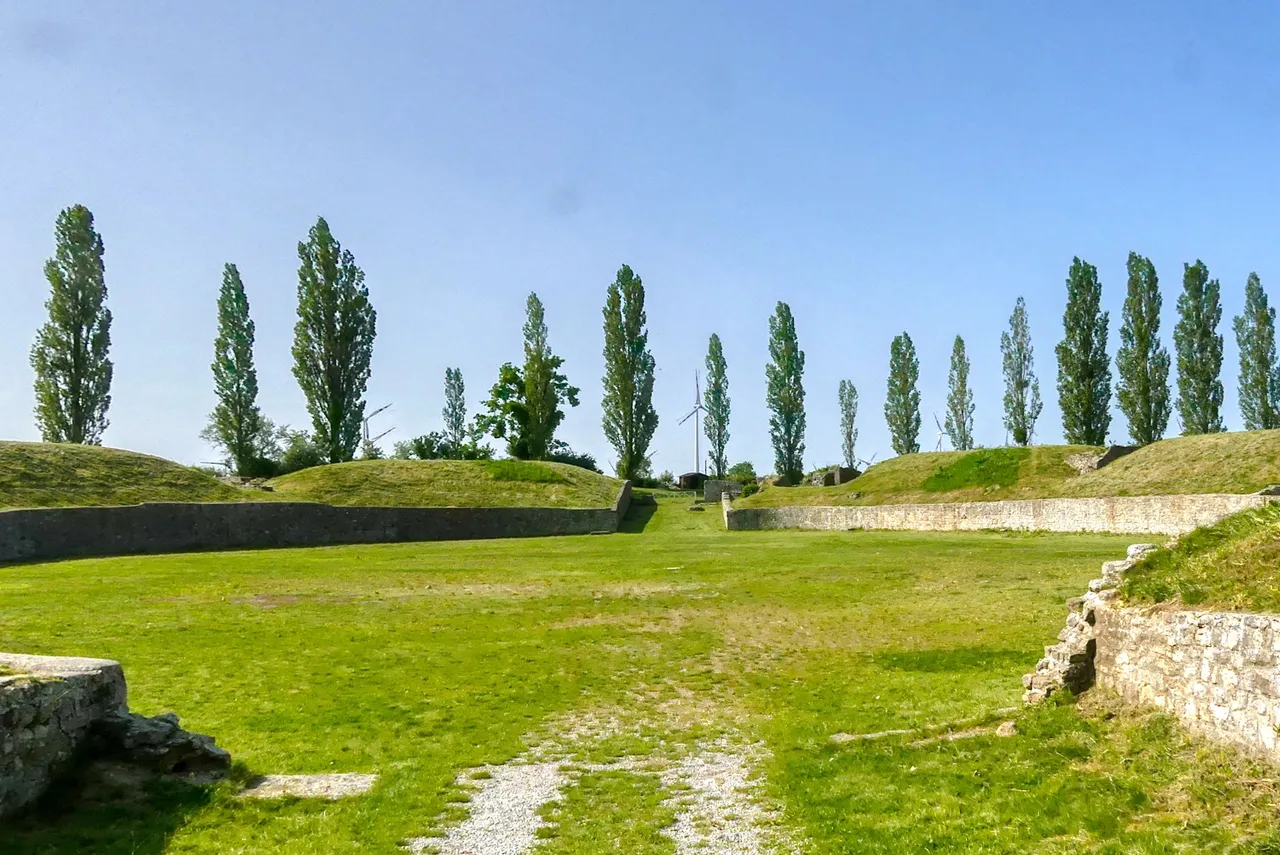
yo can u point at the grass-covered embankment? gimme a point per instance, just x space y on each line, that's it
1243 462
1233 565
50 475
450 483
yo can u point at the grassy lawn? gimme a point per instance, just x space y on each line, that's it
46 475
1234 565
457 483
1243 462
421 662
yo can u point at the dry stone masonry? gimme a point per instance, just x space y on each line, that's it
1069 664
1172 515
1218 672
55 711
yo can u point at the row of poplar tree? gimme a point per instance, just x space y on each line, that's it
1084 370
336 326
332 355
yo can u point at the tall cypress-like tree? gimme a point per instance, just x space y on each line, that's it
784 395
1021 388
629 417
1259 371
959 421
1142 362
69 357
716 423
1199 349
455 411
545 387
236 424
848 421
333 341
902 403
1084 369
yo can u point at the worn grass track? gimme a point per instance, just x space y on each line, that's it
421 662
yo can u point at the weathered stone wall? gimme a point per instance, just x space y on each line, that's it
1120 514
1217 671
45 533
715 488
48 706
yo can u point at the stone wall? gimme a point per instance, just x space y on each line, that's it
1119 514
46 533
715 488
47 708
1217 671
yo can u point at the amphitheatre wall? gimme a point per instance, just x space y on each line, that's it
1119 514
48 533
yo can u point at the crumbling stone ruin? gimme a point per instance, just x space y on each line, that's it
58 711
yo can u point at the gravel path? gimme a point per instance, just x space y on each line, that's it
504 816
719 813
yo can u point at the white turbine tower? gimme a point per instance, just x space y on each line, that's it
941 433
696 415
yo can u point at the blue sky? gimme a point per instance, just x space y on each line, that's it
898 166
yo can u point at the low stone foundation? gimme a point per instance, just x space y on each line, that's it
1117 514
55 710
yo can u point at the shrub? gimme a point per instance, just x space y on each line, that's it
743 473
299 451
562 453
750 488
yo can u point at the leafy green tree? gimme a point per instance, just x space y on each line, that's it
1142 362
629 417
1199 349
455 410
73 373
902 404
236 425
1084 369
848 395
524 405
784 394
1259 371
1021 388
716 424
333 341
959 420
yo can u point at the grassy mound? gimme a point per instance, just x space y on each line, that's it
1231 565
50 475
1242 462
450 483
941 476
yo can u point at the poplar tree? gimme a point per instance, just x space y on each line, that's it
629 417
959 420
1259 372
69 357
236 424
1084 369
333 341
1199 350
455 412
1021 388
1142 363
902 403
784 394
716 423
545 387
848 421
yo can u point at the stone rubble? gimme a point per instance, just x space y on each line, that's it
1069 664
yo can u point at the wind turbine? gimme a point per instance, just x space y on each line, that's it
941 433
370 440
696 415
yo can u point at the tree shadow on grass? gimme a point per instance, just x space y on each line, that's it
943 660
107 810
638 515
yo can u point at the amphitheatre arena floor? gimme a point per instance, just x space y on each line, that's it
671 689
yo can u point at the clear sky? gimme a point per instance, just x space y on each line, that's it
881 167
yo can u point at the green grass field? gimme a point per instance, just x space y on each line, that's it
421 662
457 483
1243 462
